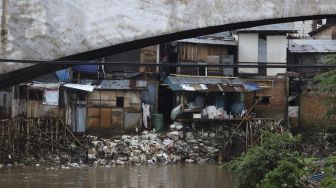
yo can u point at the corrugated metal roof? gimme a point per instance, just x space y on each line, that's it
210 41
203 80
225 35
82 87
123 84
124 75
283 27
41 85
115 84
312 46
208 84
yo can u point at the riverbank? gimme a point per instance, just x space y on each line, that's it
146 148
52 143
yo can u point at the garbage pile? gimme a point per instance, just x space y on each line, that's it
152 148
48 143
319 145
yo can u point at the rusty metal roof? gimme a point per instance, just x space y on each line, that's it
209 84
312 46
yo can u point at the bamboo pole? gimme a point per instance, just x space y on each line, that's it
246 136
251 133
242 121
21 138
51 136
71 133
2 133
56 134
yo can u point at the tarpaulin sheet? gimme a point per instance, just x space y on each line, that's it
250 86
63 75
86 68
51 96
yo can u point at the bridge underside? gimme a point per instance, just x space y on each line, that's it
82 30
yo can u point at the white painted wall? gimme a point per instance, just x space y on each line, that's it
276 53
248 51
303 28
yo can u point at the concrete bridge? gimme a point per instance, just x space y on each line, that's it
83 29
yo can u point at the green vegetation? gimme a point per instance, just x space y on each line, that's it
328 59
325 83
330 172
270 163
286 174
276 162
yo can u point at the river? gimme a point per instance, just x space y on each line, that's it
170 176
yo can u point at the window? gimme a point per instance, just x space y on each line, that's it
77 95
35 94
120 101
22 92
264 100
202 71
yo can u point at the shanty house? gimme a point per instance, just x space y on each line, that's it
212 49
306 104
211 98
37 100
309 52
115 104
116 100
105 104
260 46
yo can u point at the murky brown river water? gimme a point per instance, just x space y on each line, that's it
184 175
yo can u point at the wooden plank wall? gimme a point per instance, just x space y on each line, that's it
200 53
148 55
102 110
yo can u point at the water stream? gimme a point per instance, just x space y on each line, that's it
170 176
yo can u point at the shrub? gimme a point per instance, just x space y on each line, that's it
287 174
272 154
330 172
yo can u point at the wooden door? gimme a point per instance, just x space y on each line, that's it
93 117
118 117
106 118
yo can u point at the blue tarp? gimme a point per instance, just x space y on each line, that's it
86 68
63 75
317 177
250 86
